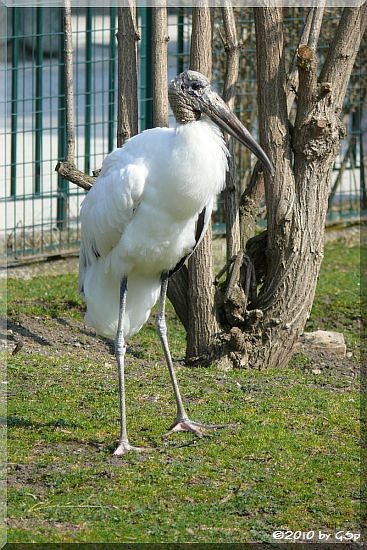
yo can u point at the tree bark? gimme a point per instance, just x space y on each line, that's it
202 321
201 41
66 168
159 66
69 85
249 204
343 51
232 48
127 107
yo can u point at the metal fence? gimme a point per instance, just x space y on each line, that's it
38 209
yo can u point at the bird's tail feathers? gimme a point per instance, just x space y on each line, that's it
101 291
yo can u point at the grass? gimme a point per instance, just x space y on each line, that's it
337 301
289 460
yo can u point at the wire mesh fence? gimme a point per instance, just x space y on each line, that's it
38 209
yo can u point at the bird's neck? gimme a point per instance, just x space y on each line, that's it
182 112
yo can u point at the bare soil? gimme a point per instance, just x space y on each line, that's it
56 336
62 335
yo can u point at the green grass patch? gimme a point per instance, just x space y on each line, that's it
44 296
337 300
289 458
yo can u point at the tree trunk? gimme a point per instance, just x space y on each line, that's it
297 196
159 66
127 102
202 321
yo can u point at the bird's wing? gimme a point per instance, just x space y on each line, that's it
201 226
109 206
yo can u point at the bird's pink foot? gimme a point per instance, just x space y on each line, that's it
197 428
125 447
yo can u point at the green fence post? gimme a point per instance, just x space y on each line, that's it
146 93
88 89
14 102
39 92
111 81
180 41
62 184
361 158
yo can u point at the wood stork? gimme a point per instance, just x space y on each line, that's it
146 213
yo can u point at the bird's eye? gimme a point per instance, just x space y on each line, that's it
196 86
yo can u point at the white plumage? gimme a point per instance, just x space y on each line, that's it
148 209
140 216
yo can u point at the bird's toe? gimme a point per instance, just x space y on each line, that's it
186 426
125 447
196 428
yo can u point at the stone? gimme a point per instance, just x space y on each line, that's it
323 340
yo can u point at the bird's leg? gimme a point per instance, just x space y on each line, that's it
182 422
160 321
120 350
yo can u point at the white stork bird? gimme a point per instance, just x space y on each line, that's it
146 213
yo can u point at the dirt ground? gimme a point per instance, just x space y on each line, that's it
61 335
56 336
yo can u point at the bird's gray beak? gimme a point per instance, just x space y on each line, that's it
213 105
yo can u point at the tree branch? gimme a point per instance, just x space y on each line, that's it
201 41
273 116
70 172
69 86
342 52
307 67
292 78
232 49
317 16
310 35
127 124
66 168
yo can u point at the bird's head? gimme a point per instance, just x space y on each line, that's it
190 96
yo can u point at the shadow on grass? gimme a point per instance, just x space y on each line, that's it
25 332
90 333
18 421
